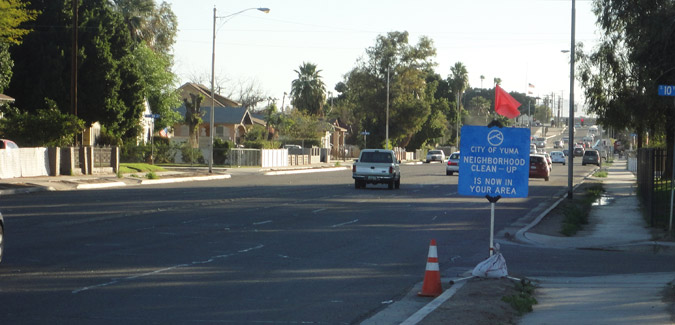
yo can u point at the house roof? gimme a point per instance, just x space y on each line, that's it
194 88
223 115
5 98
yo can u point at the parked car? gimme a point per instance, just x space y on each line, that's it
8 144
540 142
578 151
548 160
2 236
591 157
453 164
558 157
533 148
539 167
435 155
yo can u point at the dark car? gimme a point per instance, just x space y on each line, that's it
578 151
2 235
539 167
591 157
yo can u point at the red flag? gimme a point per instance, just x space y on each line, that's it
505 104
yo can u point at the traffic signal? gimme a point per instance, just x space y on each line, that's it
582 122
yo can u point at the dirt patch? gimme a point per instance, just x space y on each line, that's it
479 301
551 224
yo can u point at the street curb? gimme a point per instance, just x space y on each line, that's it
431 307
33 189
99 185
184 179
303 171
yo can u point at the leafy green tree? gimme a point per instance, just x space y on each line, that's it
42 61
635 56
14 13
410 103
45 127
158 82
6 65
154 26
111 89
308 92
299 125
479 108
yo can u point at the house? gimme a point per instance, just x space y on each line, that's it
231 120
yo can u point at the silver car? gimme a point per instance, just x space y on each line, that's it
453 164
435 155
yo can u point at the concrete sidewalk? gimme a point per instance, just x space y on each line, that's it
614 299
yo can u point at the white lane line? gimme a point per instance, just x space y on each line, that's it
344 223
142 275
262 222
319 210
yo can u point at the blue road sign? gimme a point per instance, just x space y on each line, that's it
494 161
666 90
152 115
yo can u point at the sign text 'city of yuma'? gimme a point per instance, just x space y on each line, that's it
494 161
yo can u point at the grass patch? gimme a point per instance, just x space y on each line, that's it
126 168
600 173
577 210
522 301
337 164
151 175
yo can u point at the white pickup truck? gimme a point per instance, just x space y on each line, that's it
376 166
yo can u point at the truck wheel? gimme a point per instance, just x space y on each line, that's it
359 184
391 184
397 184
546 178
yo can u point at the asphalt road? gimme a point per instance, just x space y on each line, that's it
306 248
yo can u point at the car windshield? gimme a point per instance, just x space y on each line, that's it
435 152
454 156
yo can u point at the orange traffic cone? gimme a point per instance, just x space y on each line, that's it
432 277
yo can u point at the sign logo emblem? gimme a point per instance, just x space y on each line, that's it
495 137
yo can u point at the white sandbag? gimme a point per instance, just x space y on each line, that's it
493 267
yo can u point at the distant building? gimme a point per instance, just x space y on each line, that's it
231 120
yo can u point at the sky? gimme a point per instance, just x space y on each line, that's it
519 41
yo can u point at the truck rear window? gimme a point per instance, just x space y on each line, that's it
376 157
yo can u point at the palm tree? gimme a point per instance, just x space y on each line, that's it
156 26
498 81
459 80
482 77
308 92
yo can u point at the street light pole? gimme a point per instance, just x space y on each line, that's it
387 127
570 124
213 68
